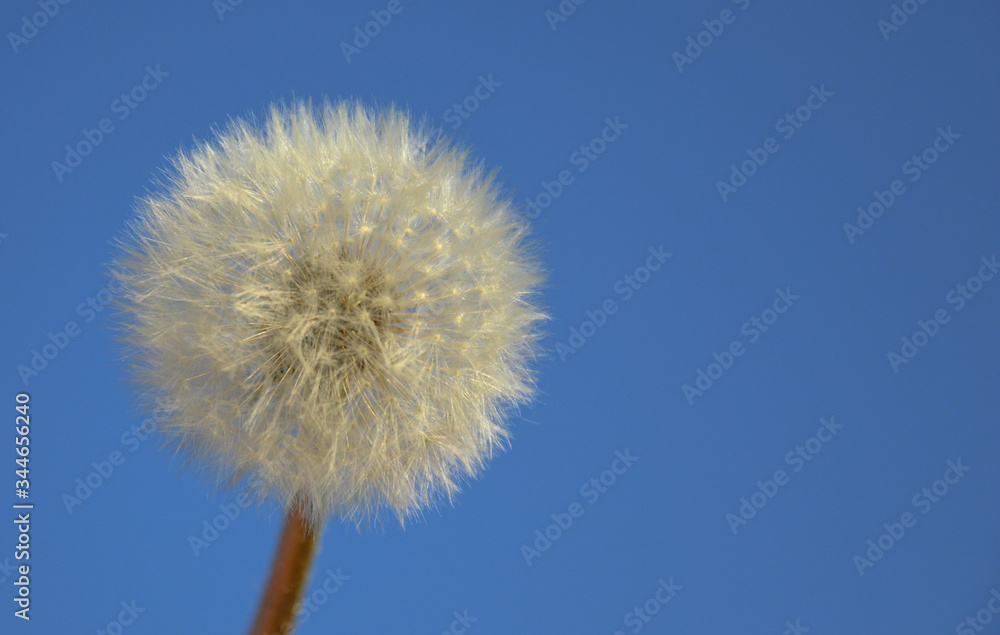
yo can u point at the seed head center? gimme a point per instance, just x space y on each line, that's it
330 319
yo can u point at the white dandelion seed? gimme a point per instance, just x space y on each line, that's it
335 304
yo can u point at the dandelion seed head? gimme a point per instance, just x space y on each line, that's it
333 303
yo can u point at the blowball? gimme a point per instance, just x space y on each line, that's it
338 308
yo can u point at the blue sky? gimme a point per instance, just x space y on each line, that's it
748 378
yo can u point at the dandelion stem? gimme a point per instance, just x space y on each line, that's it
289 572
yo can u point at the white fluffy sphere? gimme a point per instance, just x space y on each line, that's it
338 309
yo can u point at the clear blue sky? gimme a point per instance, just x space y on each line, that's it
820 110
